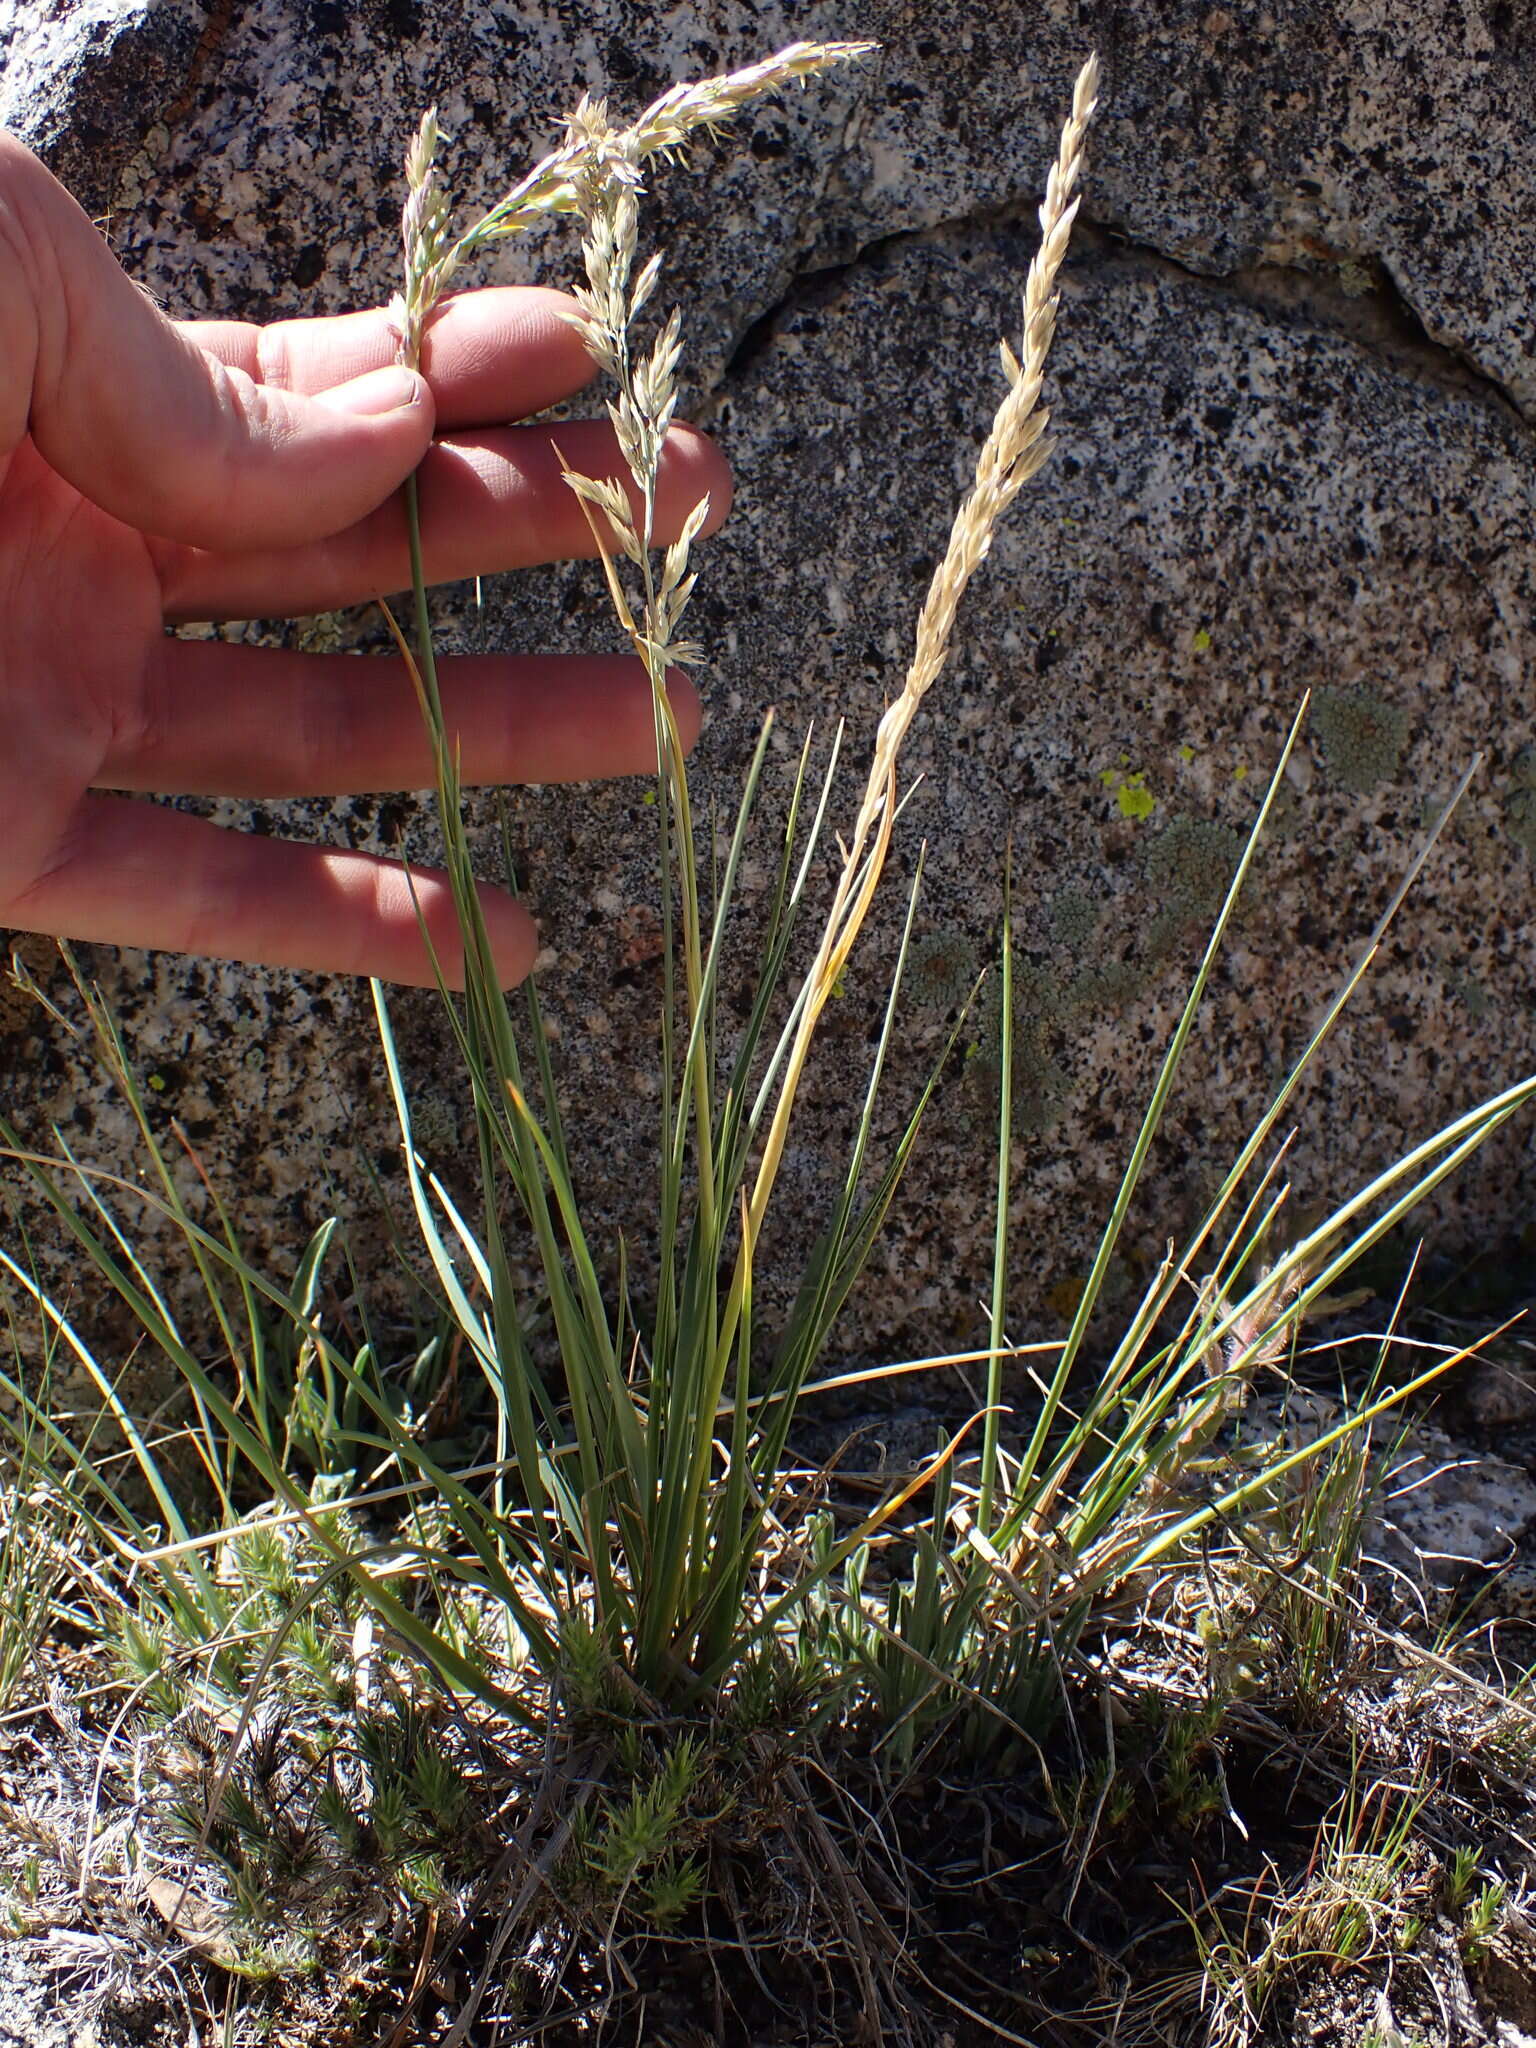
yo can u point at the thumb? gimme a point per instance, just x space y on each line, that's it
139 419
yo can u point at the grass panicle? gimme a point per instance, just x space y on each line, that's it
434 256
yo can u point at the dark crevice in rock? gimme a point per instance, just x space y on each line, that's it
807 289
1380 319
1370 312
1369 309
1453 361
756 338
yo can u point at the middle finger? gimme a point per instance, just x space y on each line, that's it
490 500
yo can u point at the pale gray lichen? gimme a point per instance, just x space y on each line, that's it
1108 985
1362 736
1037 995
1190 867
1038 999
323 633
1039 1089
434 1125
1164 933
1039 1097
1074 919
941 970
1520 816
1470 994
1520 801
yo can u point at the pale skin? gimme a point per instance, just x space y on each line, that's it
155 472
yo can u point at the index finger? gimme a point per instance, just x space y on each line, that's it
157 432
497 354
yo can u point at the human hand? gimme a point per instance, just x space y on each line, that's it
155 472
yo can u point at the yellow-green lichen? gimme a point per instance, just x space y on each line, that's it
1134 798
1362 736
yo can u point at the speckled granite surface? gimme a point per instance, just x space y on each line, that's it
1296 340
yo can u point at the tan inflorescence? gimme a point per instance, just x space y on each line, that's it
593 147
1013 452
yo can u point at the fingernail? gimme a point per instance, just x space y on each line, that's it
378 391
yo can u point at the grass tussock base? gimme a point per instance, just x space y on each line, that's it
1235 1833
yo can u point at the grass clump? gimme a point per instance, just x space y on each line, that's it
622 1679
1368 1888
